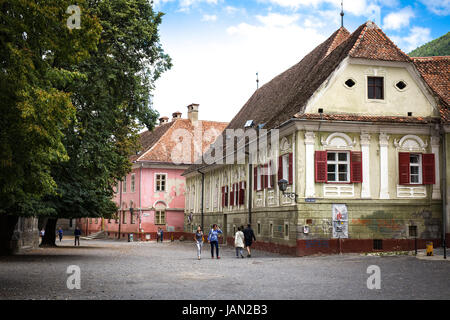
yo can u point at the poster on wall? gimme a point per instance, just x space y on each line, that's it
340 221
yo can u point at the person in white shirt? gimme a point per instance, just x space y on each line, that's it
239 243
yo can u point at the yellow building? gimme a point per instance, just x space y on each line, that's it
355 134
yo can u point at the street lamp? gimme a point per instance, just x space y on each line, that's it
282 184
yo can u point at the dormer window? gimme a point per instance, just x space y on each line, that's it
375 88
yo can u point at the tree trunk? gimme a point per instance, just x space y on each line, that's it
7 226
50 233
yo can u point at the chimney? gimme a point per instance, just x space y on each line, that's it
176 115
163 120
193 112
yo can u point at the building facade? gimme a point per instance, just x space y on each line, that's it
359 132
152 195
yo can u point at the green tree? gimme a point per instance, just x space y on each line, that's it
112 104
36 106
437 47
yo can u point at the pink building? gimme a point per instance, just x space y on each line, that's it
152 195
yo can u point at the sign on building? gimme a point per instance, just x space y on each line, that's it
340 221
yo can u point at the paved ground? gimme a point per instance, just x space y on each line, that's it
118 270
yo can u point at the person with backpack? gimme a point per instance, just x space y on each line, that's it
198 238
249 236
239 243
77 234
60 234
213 239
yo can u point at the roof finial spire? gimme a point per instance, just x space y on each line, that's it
342 13
257 81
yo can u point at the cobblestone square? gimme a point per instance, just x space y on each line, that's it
121 270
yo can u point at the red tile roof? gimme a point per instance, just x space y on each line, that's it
159 144
436 72
363 118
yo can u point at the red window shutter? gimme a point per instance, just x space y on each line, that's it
227 192
232 197
291 168
255 178
242 193
280 168
356 167
223 196
321 166
403 167
266 177
428 168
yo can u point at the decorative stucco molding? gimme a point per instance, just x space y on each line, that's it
411 142
338 140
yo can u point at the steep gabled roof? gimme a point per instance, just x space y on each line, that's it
436 72
159 144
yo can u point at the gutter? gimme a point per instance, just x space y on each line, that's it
444 190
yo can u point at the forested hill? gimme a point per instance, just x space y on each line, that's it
437 47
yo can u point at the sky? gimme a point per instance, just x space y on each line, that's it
218 46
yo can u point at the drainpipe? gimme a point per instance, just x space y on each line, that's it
203 192
120 209
250 190
140 206
444 189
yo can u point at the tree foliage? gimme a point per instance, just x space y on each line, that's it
36 52
437 47
112 104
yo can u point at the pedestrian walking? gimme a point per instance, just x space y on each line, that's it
239 243
161 235
77 234
213 239
158 234
198 238
42 233
249 237
60 234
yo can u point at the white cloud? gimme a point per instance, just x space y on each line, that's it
439 7
355 7
417 37
220 74
399 19
209 18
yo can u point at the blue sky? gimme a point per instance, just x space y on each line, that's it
217 46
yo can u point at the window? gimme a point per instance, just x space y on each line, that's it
350 83
375 88
286 168
415 165
133 178
124 217
416 169
286 230
400 85
338 165
258 178
160 217
258 230
160 182
133 218
124 184
225 196
412 231
377 244
242 192
271 229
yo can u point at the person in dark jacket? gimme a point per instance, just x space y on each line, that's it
77 234
249 237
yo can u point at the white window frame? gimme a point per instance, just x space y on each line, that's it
419 165
158 214
124 185
336 163
133 183
285 163
156 182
